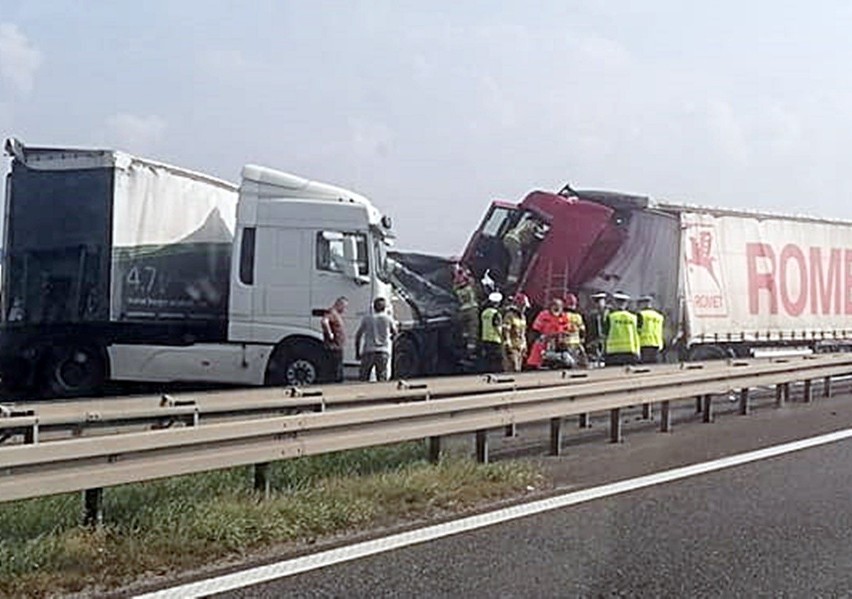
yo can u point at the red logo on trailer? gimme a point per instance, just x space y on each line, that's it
704 271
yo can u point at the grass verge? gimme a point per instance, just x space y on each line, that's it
188 521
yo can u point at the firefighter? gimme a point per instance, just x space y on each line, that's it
517 241
576 334
465 291
515 334
595 325
491 337
622 337
650 327
549 324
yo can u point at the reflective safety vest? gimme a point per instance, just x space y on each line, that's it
491 323
622 336
467 297
651 331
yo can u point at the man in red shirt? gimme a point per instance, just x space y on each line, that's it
550 324
334 335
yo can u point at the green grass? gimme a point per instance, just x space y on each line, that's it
187 521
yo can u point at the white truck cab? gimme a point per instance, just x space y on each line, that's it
299 246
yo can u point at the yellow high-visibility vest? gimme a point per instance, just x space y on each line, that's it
622 337
490 328
576 329
651 332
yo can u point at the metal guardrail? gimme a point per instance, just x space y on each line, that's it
91 464
25 421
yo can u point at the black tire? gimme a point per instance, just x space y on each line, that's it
406 358
704 353
300 364
73 371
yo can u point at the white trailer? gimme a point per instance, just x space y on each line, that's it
733 281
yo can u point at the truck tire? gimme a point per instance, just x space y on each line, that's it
73 371
703 353
300 364
406 358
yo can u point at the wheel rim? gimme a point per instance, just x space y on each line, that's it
301 372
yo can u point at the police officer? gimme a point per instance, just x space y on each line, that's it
622 337
650 327
491 334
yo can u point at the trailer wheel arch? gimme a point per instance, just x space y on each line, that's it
297 360
73 369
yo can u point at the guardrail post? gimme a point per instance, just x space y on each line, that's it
584 420
93 507
779 395
807 394
482 446
665 417
434 449
555 436
745 404
707 408
31 434
826 387
511 430
699 404
615 434
646 411
785 389
261 479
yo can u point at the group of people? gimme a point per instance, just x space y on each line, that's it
373 339
497 337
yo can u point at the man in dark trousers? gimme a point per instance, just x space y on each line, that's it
650 326
334 335
377 330
622 337
596 326
491 334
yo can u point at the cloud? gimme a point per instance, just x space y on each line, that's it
19 59
135 133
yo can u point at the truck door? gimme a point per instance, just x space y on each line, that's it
485 250
342 268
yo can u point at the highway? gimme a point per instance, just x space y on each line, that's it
777 527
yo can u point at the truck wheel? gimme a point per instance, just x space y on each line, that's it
703 353
406 358
299 365
71 371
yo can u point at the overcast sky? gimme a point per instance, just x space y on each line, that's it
433 109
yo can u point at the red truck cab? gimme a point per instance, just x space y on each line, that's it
576 239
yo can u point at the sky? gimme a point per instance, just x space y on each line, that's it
434 109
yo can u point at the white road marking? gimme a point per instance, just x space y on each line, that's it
347 553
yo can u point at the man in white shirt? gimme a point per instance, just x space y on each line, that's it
377 331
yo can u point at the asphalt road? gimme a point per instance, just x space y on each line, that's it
780 527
